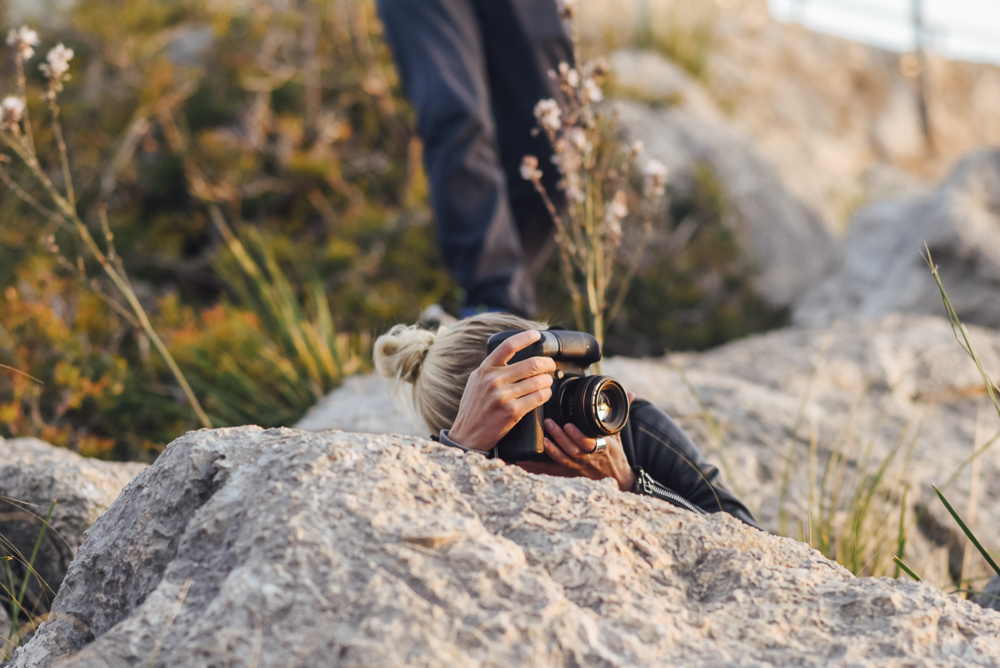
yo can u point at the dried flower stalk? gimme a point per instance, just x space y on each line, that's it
594 177
13 118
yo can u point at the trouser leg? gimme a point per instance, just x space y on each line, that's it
472 70
519 60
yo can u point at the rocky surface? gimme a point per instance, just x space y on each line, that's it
858 391
783 240
380 550
836 119
882 270
898 388
990 596
364 402
32 475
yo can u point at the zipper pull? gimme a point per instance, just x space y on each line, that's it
646 487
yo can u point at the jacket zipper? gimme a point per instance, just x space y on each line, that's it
653 488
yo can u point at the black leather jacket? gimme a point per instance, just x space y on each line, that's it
656 445
667 463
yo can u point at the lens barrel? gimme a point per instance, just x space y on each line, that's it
597 405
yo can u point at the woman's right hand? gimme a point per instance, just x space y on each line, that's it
497 396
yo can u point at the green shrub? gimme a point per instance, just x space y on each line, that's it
315 169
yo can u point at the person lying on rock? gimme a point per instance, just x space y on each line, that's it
472 400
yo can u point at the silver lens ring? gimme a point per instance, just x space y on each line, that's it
603 404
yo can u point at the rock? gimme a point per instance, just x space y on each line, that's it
990 597
899 382
648 75
825 112
897 133
361 404
784 242
32 475
882 270
862 392
283 547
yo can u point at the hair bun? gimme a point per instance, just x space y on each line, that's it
400 352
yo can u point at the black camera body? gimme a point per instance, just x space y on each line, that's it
597 405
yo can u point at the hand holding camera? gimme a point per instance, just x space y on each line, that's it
534 383
498 396
572 455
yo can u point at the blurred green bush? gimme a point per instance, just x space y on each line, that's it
288 123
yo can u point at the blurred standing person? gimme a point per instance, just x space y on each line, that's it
474 70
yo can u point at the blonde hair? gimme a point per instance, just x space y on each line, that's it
437 364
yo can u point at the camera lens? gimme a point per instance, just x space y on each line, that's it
597 405
603 406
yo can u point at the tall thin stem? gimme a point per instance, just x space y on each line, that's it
22 86
68 212
28 199
564 243
61 143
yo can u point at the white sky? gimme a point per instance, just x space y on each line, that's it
960 29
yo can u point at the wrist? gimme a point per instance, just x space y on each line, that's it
466 440
627 481
456 435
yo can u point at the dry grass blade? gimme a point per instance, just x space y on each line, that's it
968 532
31 561
906 569
964 340
786 476
961 333
901 534
973 507
17 599
20 373
873 486
26 508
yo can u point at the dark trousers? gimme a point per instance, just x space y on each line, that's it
474 70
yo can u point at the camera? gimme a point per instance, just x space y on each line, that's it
596 405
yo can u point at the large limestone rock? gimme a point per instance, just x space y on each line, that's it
281 548
361 404
858 391
882 270
785 409
32 475
783 240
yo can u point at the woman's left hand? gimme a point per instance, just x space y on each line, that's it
573 455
